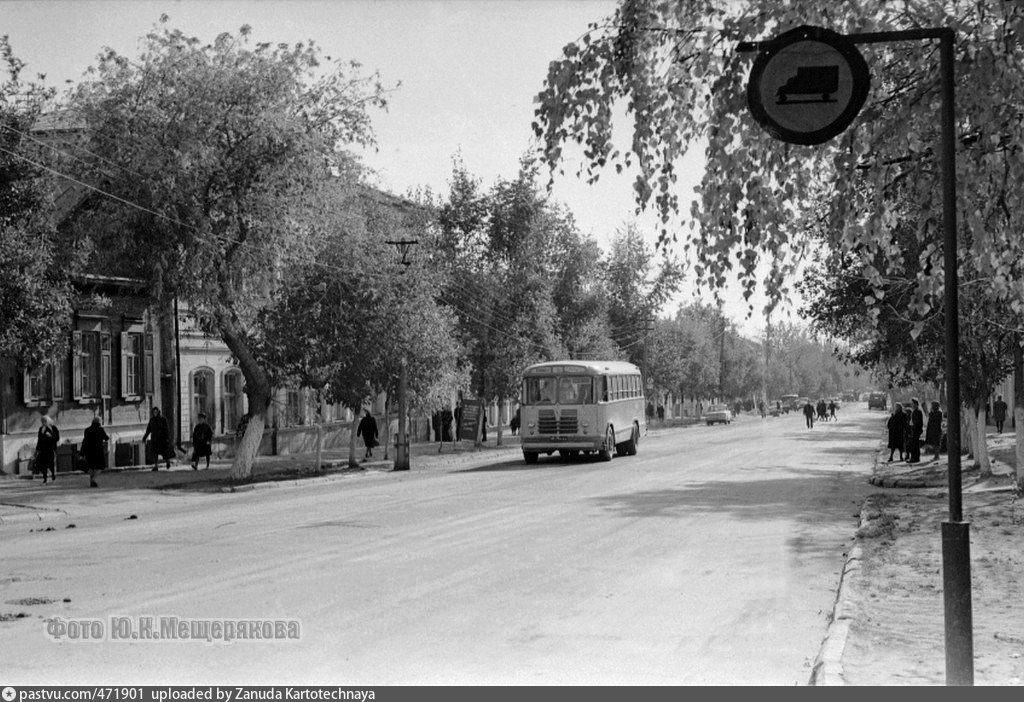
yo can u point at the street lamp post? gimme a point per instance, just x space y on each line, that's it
404 246
956 562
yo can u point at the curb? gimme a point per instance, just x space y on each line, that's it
827 670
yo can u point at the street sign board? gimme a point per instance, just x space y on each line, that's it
470 419
807 85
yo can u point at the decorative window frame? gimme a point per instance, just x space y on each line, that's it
134 329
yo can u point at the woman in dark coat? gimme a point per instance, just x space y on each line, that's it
94 449
933 433
161 433
368 430
897 426
45 458
202 442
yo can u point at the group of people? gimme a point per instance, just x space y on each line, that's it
906 425
822 411
95 441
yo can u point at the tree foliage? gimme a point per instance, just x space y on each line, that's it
216 158
36 270
673 67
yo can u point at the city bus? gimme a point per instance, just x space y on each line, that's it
582 407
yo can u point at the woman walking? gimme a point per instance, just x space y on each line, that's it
45 457
94 449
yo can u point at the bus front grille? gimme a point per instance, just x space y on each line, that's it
564 422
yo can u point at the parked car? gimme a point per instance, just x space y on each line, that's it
718 414
877 400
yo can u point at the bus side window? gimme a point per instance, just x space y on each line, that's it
602 388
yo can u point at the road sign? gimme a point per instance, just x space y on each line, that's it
807 85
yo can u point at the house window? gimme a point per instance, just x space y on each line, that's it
131 365
91 349
202 400
232 399
45 384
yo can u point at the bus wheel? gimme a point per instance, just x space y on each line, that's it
605 454
628 448
530 456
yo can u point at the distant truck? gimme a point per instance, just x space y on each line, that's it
877 400
789 403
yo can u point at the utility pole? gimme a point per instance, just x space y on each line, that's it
402 450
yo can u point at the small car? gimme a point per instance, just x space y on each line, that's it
718 414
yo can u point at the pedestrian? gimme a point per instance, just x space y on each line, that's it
458 420
832 410
916 430
94 449
822 409
202 442
897 426
368 430
761 409
161 433
999 413
45 457
661 413
650 411
933 433
514 424
809 414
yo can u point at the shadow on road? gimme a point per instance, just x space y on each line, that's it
793 496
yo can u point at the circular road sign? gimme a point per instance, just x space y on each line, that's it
807 85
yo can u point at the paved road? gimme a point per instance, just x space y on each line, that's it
711 558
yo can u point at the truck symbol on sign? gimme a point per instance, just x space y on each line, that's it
810 80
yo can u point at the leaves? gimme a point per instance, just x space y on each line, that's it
675 69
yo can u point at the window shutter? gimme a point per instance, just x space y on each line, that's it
57 368
125 341
150 383
76 360
26 386
105 364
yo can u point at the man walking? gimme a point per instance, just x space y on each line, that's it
999 413
809 414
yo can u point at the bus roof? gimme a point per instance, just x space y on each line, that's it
580 366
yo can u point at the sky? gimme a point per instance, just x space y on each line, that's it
466 73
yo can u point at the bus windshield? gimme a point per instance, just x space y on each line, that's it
564 390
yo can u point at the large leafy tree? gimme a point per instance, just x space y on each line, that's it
36 295
674 69
217 157
344 326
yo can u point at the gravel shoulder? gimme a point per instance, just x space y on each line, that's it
894 622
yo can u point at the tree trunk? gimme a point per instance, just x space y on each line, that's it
352 461
257 389
967 432
981 445
1018 408
248 448
501 408
319 445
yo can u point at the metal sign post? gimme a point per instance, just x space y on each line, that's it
784 100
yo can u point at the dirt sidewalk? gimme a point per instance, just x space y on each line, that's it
892 594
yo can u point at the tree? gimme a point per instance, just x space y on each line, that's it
217 159
674 68
638 287
343 327
36 268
